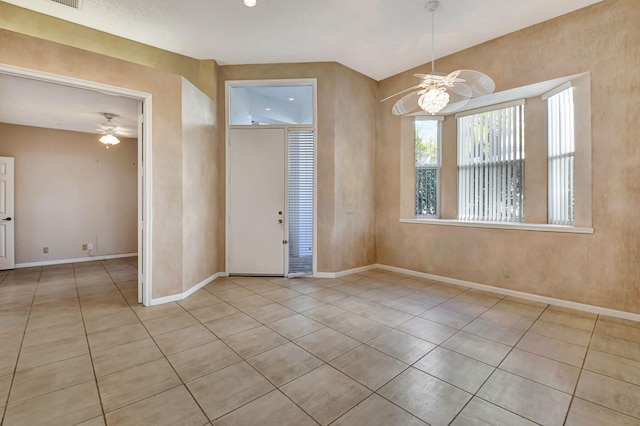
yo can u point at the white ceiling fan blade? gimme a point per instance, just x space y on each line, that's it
453 106
459 96
407 104
124 131
480 84
417 86
460 89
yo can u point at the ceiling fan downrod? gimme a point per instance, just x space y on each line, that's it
431 7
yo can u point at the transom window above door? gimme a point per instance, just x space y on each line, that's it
269 105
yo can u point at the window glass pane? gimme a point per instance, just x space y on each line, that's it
561 153
426 191
426 142
427 160
491 165
264 105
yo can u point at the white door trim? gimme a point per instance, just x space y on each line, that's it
145 191
313 82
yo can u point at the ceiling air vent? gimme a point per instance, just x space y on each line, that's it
71 3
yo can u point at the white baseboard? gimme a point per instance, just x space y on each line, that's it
527 296
77 260
343 273
184 295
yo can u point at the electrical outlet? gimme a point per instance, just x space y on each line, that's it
84 247
506 273
45 249
90 246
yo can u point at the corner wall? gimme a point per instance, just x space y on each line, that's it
355 162
201 211
600 269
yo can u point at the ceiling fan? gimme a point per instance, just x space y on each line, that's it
110 130
440 93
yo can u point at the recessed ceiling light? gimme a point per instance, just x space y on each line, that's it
292 99
250 3
267 109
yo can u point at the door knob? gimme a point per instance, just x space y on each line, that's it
280 212
280 221
7 219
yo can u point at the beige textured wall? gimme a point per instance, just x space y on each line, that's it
356 119
201 210
600 269
25 21
70 191
345 168
29 52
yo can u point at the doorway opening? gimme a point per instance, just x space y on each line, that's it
144 193
271 128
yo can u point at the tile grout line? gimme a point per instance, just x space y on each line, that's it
497 367
584 360
512 346
24 332
242 359
86 335
166 358
582 369
278 388
113 281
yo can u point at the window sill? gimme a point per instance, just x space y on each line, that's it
543 227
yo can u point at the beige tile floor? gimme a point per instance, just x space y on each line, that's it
376 348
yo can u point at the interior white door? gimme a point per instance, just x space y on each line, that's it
7 221
257 201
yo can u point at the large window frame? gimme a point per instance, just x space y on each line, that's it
536 168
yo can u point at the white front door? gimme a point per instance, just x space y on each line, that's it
256 201
7 222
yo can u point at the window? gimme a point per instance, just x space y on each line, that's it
270 104
479 178
561 155
427 161
491 164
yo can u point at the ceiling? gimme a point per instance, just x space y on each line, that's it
29 102
378 38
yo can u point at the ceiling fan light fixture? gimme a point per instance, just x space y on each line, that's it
109 139
433 100
109 136
250 3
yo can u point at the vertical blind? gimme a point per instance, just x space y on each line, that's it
491 165
561 154
300 201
